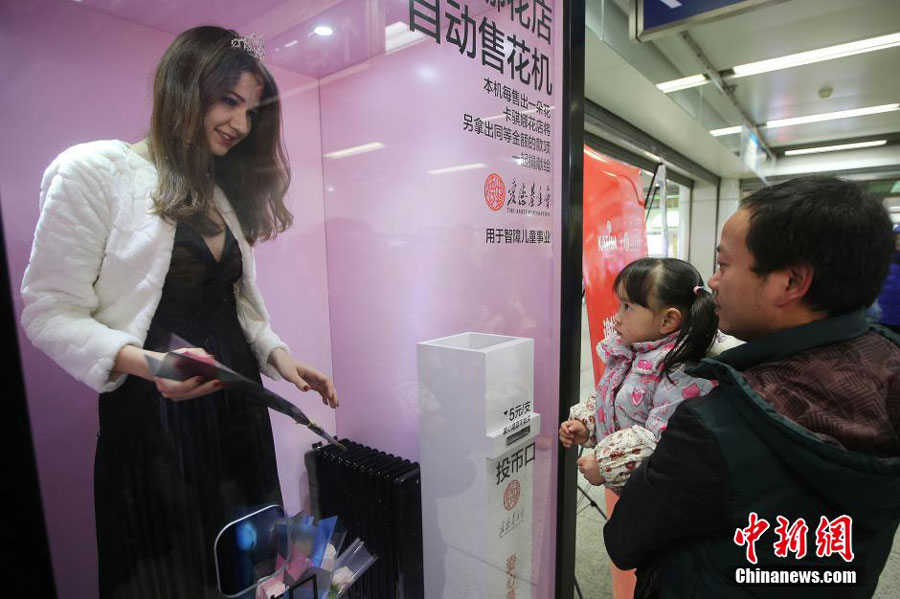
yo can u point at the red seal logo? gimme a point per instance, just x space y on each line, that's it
511 494
494 192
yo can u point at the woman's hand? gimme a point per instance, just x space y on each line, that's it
587 465
303 376
132 360
193 387
572 432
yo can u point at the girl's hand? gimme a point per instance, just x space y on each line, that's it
572 432
191 388
587 465
304 377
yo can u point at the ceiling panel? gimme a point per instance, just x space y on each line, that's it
857 81
710 107
794 26
174 16
286 25
834 130
776 30
615 84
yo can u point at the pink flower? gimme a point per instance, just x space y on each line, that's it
691 390
645 364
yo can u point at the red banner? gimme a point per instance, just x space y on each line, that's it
614 235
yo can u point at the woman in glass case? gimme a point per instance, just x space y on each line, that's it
139 241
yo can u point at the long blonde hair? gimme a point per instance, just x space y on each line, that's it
197 70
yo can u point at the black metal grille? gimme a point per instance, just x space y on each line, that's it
378 497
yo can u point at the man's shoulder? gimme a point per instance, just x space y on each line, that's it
845 366
867 350
842 392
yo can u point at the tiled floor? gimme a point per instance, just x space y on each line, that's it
592 572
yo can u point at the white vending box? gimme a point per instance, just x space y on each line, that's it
477 427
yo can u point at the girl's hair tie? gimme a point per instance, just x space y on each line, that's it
700 288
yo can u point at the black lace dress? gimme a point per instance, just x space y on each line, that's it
169 475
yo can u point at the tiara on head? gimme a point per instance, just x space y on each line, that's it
252 44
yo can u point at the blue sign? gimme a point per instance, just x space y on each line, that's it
658 13
651 18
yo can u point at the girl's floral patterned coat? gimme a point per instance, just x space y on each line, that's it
634 390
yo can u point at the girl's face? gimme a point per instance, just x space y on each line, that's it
230 118
635 323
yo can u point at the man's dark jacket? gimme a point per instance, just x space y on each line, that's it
732 452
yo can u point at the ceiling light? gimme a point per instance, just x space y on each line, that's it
323 30
454 169
369 147
830 116
725 131
291 43
684 83
829 53
398 36
835 148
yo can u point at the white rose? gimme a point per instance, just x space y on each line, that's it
341 578
328 557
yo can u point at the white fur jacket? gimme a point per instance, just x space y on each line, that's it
99 261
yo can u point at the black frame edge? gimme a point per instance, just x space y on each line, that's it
570 292
29 565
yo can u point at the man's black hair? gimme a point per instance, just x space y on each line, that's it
833 225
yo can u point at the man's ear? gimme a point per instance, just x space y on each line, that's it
796 280
671 321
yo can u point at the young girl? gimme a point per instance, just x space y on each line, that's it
666 320
137 241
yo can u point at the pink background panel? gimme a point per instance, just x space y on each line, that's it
76 75
407 258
